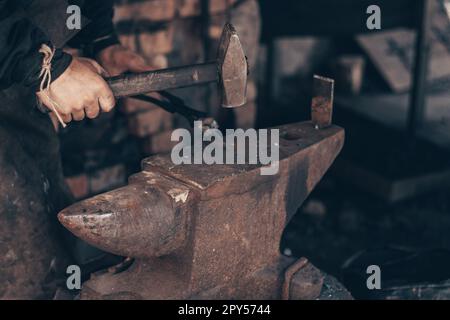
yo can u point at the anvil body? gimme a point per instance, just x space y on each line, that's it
202 231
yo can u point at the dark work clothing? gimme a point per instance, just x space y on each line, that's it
20 39
32 190
100 13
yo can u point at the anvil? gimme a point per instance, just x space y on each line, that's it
207 231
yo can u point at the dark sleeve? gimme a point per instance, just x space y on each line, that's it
100 32
20 40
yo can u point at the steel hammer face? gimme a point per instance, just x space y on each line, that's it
233 69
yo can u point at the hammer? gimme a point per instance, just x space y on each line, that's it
229 70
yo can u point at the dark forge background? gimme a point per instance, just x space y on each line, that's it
386 199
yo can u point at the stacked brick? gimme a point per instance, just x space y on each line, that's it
98 155
171 33
98 181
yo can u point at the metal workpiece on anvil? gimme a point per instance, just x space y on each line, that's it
322 101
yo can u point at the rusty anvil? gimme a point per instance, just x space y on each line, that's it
229 70
208 231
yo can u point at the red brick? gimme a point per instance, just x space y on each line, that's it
159 42
107 179
218 6
158 143
130 106
188 8
155 10
216 25
143 124
78 185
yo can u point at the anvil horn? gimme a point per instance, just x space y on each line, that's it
139 220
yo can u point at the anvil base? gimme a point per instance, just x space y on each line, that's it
161 279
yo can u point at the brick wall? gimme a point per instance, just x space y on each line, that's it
171 33
167 33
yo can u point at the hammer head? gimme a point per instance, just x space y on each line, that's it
233 69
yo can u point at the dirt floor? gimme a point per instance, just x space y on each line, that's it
339 221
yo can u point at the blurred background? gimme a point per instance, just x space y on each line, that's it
386 200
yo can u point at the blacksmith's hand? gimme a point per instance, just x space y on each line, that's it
80 91
117 59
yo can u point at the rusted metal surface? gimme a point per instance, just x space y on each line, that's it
203 231
207 231
289 274
144 219
230 71
322 101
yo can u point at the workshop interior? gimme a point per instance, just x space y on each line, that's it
358 93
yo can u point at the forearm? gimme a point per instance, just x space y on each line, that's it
20 40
